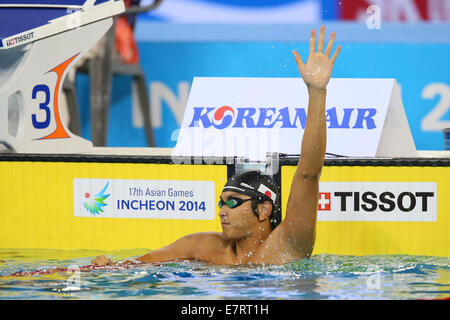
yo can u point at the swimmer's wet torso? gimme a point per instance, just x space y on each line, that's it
248 211
246 238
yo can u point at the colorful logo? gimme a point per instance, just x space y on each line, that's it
269 193
220 115
324 201
94 205
259 117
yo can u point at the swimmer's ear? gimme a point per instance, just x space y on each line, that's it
264 210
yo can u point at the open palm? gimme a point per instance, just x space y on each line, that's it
316 72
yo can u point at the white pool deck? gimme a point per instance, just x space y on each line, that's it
123 151
168 152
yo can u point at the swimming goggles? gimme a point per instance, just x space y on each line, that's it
232 202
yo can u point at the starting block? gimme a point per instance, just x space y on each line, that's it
39 42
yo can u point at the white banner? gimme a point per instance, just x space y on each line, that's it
248 117
147 199
377 201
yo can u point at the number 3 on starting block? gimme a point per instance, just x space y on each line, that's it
44 106
60 131
33 64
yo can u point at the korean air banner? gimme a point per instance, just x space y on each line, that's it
248 117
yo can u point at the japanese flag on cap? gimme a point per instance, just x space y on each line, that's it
268 192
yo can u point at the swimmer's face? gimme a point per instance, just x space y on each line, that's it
237 222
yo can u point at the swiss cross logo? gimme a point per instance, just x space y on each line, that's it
324 201
10 42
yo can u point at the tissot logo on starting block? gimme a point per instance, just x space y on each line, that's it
20 39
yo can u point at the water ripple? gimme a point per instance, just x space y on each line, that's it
321 277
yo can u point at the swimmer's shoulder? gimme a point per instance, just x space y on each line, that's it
211 247
209 240
197 246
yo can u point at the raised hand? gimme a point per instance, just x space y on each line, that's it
317 71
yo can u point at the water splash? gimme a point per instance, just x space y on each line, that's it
321 277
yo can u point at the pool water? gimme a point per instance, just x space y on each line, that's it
321 277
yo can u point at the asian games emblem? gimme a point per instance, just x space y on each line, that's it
95 204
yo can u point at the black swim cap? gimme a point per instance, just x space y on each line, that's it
260 187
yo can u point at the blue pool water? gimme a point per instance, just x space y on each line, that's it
321 277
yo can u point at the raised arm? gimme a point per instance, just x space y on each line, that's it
301 210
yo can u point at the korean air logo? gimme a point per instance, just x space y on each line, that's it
272 117
95 204
223 117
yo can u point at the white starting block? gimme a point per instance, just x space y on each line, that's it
39 42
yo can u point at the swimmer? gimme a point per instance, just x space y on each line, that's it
252 230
